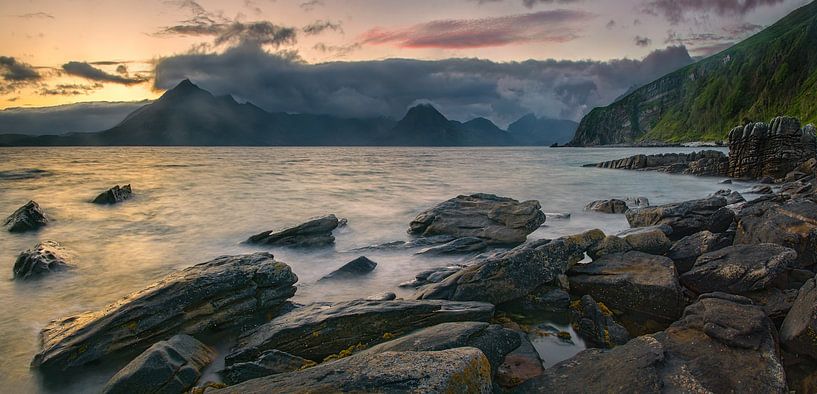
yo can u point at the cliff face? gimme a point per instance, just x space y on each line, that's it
770 73
759 149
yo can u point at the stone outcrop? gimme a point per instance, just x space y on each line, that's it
315 232
792 224
686 250
738 269
607 206
759 149
596 325
353 269
799 331
170 366
114 195
703 163
227 292
497 220
685 218
26 218
46 257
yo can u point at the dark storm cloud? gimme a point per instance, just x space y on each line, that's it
461 88
642 41
13 70
543 26
320 26
87 71
675 11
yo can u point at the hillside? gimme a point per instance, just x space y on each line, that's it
771 73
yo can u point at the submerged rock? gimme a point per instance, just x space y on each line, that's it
170 366
355 268
227 292
463 245
114 195
497 220
26 218
268 363
320 330
607 206
792 224
799 331
738 269
46 257
315 232
595 324
685 218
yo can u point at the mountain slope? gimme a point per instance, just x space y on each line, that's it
771 73
542 131
423 125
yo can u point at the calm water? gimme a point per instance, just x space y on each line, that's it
194 204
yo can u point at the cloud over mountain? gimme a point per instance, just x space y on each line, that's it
87 71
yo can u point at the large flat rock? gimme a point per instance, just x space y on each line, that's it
792 224
739 269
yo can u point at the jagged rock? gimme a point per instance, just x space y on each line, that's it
686 250
463 245
170 366
510 275
792 224
520 365
799 331
759 150
543 299
703 163
47 256
725 182
607 206
387 296
26 218
497 220
595 324
738 269
633 283
227 292
435 275
732 197
461 370
355 268
319 330
723 344
315 232
685 218
761 189
268 363
114 195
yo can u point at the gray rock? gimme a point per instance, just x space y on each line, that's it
726 182
703 163
46 257
760 189
463 245
685 218
497 220
607 206
596 325
415 243
170 366
227 292
799 331
461 370
435 275
320 330
268 363
650 240
353 269
114 195
792 224
738 269
732 197
609 245
543 299
315 232
26 218
686 250
387 296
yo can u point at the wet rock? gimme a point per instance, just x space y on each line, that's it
801 373
609 245
723 344
497 220
738 269
463 245
799 331
766 180
415 243
353 269
686 250
761 189
725 182
759 150
732 197
798 277
543 299
114 195
319 330
638 202
46 257
387 296
685 218
170 366
227 292
607 206
268 363
792 224
461 370
520 365
510 275
315 232
633 283
650 240
595 324
26 218
703 163
775 302
434 275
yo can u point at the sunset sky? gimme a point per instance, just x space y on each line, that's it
57 52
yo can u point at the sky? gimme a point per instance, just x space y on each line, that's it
494 58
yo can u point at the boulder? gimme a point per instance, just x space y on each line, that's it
46 257
686 250
497 220
319 330
738 269
609 245
652 240
792 224
26 218
723 344
685 218
353 269
607 206
463 245
460 370
799 331
520 365
510 275
315 232
731 196
595 324
268 363
633 283
170 366
227 292
758 150
114 195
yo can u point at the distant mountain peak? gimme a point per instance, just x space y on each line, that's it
184 89
424 115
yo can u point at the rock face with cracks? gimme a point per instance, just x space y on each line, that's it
29 217
46 257
759 149
739 269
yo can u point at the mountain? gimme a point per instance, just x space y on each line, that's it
771 73
542 131
67 118
423 125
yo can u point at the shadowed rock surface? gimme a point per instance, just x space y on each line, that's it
47 256
607 206
738 269
268 363
26 218
114 195
703 163
686 250
170 366
685 218
520 365
355 268
595 324
463 245
315 232
759 149
732 197
792 224
799 331
497 220
227 292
